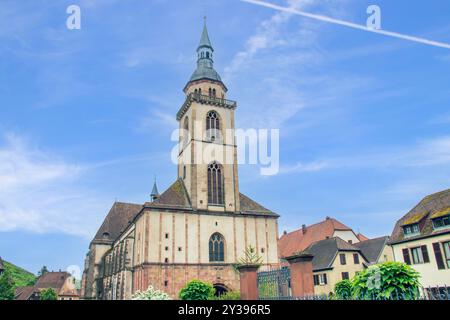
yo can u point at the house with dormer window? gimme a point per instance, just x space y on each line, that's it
421 239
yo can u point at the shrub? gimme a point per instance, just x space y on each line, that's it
48 294
230 295
389 280
151 294
343 290
6 286
197 290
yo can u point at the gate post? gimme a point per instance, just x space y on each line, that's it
248 281
302 280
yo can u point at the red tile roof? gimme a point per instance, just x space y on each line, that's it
53 280
301 239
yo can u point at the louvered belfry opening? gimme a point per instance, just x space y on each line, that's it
215 184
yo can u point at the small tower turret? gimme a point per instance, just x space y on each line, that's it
155 194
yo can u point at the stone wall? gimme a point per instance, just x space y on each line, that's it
172 278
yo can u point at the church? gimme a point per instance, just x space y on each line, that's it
201 225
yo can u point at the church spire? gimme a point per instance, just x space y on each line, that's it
155 194
204 40
205 63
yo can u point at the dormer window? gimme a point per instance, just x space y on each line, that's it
411 230
441 222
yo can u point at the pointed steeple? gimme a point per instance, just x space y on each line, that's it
155 194
205 63
204 40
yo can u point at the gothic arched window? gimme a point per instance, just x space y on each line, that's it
212 126
216 248
215 184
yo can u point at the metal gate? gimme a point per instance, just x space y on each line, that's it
275 284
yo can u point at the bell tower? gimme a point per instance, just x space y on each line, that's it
207 159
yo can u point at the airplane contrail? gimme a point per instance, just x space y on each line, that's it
349 24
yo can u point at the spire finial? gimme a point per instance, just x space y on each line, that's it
155 194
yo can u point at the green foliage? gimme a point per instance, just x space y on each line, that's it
343 290
197 290
21 277
151 294
43 271
268 289
389 280
230 295
251 257
48 294
6 286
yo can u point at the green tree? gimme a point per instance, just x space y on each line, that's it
230 295
251 257
389 280
343 290
6 286
43 271
48 294
197 290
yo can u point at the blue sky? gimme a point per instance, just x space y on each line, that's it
86 115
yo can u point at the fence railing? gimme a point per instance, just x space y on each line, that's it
274 284
429 293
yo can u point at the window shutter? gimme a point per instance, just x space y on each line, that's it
406 256
325 278
438 255
426 258
316 280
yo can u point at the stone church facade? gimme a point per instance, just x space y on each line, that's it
200 226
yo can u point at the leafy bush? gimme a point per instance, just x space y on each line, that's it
197 290
6 286
389 280
343 290
230 295
151 294
48 294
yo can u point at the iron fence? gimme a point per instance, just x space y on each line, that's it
275 284
430 293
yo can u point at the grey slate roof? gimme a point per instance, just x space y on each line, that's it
430 206
250 206
205 66
371 249
116 221
204 40
177 197
155 190
325 251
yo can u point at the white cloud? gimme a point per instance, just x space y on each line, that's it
39 192
266 37
424 153
300 167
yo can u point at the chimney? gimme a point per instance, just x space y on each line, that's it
303 228
284 232
327 218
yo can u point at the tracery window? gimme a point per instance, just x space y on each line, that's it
216 248
215 184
